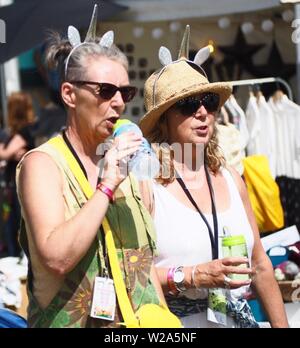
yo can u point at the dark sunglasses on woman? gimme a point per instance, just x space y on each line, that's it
107 90
189 105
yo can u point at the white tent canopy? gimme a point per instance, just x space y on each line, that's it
289 1
157 10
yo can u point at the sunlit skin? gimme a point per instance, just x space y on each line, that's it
195 129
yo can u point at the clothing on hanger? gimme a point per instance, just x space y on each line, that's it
229 141
234 116
267 141
254 126
274 129
244 133
264 193
223 117
287 124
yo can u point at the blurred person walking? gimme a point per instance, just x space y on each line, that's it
21 118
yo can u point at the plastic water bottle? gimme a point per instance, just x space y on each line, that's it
144 163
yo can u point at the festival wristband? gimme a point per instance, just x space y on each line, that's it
109 193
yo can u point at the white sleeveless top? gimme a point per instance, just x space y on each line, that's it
182 236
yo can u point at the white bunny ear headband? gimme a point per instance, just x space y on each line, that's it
75 40
165 56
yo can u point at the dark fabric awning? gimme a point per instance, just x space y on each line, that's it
26 21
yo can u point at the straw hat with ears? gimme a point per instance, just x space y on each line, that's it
176 80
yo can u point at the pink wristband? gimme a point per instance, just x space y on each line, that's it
109 193
170 280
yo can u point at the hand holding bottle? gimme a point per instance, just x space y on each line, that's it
143 163
123 147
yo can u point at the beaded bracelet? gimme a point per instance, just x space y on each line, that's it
106 190
201 290
193 277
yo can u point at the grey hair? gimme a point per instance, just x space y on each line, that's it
59 49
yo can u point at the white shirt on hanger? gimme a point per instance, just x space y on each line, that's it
234 115
287 120
242 126
254 127
267 135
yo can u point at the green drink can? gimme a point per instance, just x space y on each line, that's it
236 246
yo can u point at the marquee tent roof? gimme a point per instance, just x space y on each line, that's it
156 10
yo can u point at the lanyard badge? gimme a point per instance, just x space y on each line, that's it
104 299
104 294
216 311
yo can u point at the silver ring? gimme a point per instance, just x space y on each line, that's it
227 281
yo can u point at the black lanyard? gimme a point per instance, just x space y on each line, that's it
71 148
212 235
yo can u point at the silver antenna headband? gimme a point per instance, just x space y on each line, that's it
165 57
75 40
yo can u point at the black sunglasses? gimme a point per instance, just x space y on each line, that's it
108 90
189 105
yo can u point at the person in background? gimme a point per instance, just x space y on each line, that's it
3 249
21 118
61 229
197 198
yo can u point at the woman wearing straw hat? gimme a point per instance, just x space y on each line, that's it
64 203
198 199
